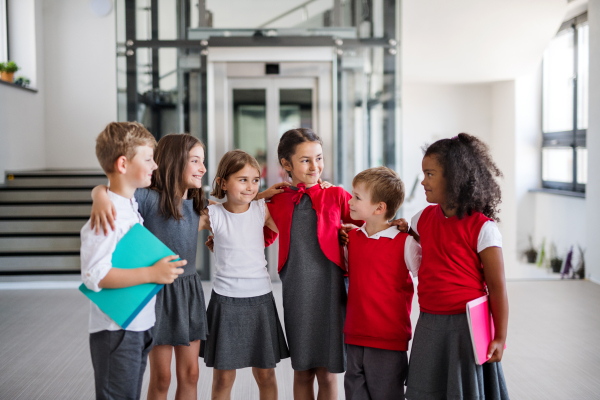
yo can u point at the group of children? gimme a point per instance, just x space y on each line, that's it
364 330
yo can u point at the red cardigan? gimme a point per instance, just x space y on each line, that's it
451 273
331 206
380 293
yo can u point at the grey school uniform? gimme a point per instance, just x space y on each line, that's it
314 297
442 365
180 306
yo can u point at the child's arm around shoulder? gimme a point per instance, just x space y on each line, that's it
412 255
269 222
103 211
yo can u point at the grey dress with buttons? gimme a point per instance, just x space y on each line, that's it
314 297
180 306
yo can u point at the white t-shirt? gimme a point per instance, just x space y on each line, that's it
239 248
96 256
489 235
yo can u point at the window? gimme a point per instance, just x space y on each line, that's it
565 107
3 32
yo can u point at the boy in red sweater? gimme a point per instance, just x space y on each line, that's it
379 258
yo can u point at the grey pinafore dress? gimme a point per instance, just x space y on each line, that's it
314 297
180 306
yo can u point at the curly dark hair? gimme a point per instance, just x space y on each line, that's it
470 175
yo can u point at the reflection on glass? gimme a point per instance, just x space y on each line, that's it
250 126
582 163
583 67
143 20
167 19
557 164
558 83
167 69
295 109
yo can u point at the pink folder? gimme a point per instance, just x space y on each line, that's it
481 326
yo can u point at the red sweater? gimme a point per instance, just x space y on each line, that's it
331 206
451 273
380 293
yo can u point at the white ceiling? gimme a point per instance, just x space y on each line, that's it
461 41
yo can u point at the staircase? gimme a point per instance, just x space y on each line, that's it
41 214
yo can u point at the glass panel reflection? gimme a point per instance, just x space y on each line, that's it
557 164
295 109
583 56
558 83
582 164
250 126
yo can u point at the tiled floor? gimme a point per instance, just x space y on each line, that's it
553 348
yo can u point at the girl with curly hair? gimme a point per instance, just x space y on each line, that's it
462 260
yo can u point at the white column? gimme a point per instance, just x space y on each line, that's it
592 257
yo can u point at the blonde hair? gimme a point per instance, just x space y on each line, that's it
385 186
121 139
232 162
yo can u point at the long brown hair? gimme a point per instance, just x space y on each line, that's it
172 156
232 162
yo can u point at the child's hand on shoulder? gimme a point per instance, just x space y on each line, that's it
273 190
210 243
165 270
343 233
103 216
325 184
401 223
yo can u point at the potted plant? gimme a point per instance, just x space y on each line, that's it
7 71
555 260
531 253
22 81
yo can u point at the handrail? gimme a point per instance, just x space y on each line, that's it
286 13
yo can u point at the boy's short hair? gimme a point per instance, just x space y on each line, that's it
385 186
121 139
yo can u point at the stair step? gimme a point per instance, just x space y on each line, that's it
44 210
70 181
41 263
39 243
41 225
27 195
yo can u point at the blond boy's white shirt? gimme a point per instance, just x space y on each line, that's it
412 249
96 256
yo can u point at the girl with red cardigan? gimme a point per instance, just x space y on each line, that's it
310 265
462 260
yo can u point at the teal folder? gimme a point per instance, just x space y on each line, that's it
138 248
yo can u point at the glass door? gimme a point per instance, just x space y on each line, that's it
261 110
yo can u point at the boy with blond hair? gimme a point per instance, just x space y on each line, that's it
379 258
125 152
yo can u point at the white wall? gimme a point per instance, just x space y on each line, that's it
431 112
22 112
593 145
80 69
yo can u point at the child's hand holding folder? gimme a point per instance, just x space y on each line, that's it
166 270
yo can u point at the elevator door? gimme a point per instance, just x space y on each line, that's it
261 110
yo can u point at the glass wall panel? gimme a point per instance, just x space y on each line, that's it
167 19
582 164
250 126
557 164
583 66
143 20
295 109
558 73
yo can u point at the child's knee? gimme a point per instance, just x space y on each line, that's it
325 377
162 379
190 374
264 377
223 379
304 377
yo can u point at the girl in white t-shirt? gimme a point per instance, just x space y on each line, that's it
244 328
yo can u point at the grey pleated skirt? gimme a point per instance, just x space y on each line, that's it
314 298
180 312
243 332
442 365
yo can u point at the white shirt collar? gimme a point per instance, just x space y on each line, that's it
390 232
